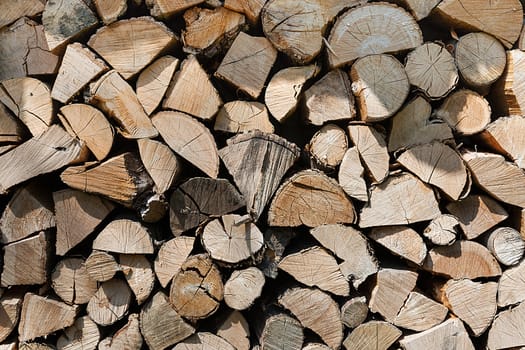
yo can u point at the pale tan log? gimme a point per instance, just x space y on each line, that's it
257 162
391 289
66 21
236 331
41 316
373 335
372 149
317 311
204 340
170 258
465 111
511 285
28 50
124 236
13 10
82 335
298 32
431 69
502 19
197 290
390 29
71 281
89 125
284 90
327 147
113 95
276 240
450 334
11 130
330 99
168 8
26 261
243 287
350 175
463 259
400 200
154 81
352 247
420 313
110 10
128 337
509 91
241 116
411 126
192 92
250 8
247 63
12 346
506 329
231 240
443 229
10 304
354 312
79 67
310 198
139 274
130 45
506 244
29 210
101 266
501 179
281 330
380 86
162 165
110 303
504 136
418 8
316 346
402 241
473 302
77 215
190 139
30 100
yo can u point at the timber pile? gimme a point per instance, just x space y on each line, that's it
251 174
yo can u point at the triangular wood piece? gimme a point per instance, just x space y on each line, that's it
128 337
110 11
257 162
511 285
139 274
83 334
10 304
509 97
11 129
377 335
507 329
204 340
419 9
14 10
190 139
505 136
168 8
124 236
236 331
161 163
420 313
240 116
71 281
371 146
110 303
171 256
351 177
450 334
250 8
402 241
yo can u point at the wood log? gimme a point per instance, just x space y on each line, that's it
78 16
78 68
71 281
354 312
114 96
350 175
241 116
153 82
501 179
502 136
110 303
189 139
12 346
197 290
30 100
504 332
161 164
372 149
315 346
109 10
192 92
284 90
139 274
352 247
14 10
442 230
317 311
327 147
168 8
128 337
501 20
204 340
235 330
380 85
347 42
124 236
238 66
378 335
506 244
420 313
315 267
19 269
11 129
399 200
450 333
243 287
411 126
402 241
101 266
161 325
170 258
10 304
199 199
275 240
29 53
281 330
83 335
432 70
35 346
511 284
41 316
418 9
508 97
257 163
250 8
463 259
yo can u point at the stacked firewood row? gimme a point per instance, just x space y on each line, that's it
252 174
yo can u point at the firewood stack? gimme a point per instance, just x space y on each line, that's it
251 174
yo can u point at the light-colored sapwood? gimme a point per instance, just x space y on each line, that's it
443 230
372 150
110 10
418 8
240 116
168 8
506 244
281 330
316 346
350 175
511 284
372 335
235 330
11 305
124 236
110 303
509 91
82 335
101 266
402 241
128 337
15 9
450 334
506 329
204 340
504 136
420 313
171 256
328 146
71 281
139 274
250 8
160 162
243 287
354 312
154 80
